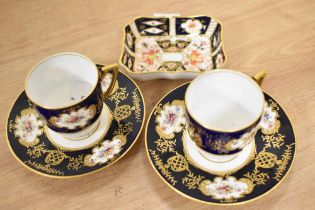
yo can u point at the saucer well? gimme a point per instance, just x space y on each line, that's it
272 160
30 145
73 145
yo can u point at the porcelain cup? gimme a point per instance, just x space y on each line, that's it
65 89
223 111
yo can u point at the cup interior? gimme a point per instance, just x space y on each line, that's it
61 80
224 100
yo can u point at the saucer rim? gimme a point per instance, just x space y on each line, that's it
209 202
88 173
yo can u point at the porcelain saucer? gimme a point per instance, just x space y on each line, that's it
31 146
257 176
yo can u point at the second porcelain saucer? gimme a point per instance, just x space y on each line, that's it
31 147
274 145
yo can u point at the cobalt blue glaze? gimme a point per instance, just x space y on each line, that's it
216 142
95 98
204 19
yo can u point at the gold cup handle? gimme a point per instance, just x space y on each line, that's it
107 69
260 76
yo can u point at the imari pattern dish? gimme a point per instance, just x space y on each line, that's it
272 159
28 141
172 47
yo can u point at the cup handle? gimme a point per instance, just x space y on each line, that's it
103 71
260 76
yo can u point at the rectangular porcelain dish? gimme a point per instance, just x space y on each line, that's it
172 47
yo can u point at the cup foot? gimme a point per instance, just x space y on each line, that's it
214 163
217 158
77 136
64 143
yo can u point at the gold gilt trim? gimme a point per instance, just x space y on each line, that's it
122 112
164 145
119 96
24 164
136 105
54 157
163 167
273 141
45 168
195 199
282 164
169 72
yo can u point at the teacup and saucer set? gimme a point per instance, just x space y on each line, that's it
220 139
75 117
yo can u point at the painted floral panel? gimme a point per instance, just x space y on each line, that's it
106 151
192 26
269 122
226 188
74 119
148 55
197 55
28 127
171 119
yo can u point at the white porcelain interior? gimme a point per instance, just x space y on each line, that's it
61 141
61 80
219 166
224 100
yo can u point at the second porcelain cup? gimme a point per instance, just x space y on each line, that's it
223 110
66 91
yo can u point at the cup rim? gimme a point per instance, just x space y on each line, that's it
55 55
225 130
